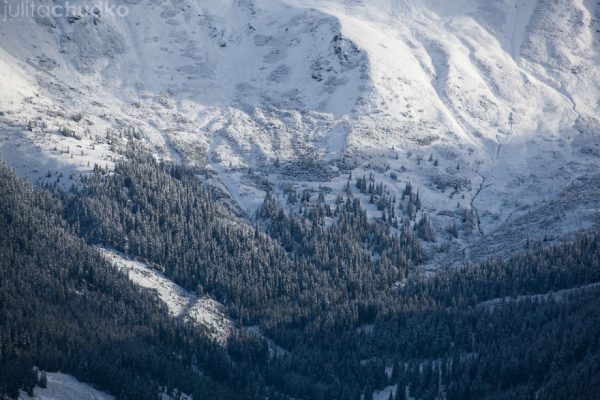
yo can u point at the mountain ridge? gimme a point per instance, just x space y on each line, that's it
504 95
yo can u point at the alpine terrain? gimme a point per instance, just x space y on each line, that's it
300 199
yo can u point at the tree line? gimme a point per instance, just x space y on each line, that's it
341 293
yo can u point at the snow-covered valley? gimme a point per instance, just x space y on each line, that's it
488 108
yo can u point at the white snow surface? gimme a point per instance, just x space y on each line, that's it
384 394
204 311
181 303
65 387
504 94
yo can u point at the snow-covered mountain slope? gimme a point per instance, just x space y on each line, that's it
203 311
504 95
65 387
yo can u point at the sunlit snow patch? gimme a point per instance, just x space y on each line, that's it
181 303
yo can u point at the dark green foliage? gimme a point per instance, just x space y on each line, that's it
161 213
63 307
322 284
494 332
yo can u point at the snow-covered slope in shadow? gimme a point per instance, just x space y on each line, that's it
65 387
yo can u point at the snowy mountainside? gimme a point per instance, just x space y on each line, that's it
65 387
181 303
504 96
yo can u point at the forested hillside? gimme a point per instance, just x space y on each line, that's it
340 294
161 213
63 307
300 199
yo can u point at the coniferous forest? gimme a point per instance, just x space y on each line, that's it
322 284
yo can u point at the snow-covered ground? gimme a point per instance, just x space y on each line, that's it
204 311
65 387
505 95
181 303
384 394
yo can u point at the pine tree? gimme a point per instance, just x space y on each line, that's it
43 380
